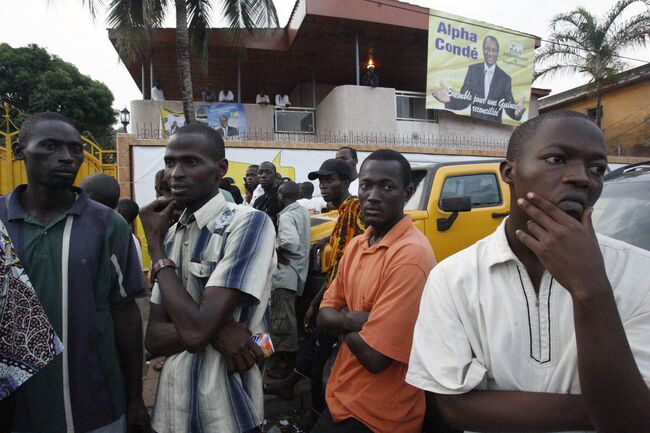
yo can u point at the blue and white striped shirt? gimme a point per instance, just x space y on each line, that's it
222 245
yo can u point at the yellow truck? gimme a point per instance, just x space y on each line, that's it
454 205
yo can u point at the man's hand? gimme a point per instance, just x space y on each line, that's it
310 317
441 93
234 342
137 417
567 248
521 107
156 219
353 321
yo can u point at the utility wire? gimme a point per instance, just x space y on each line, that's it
627 131
485 26
628 116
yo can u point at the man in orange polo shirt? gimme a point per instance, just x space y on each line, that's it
372 304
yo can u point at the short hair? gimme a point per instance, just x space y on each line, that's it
102 188
128 209
353 152
27 128
309 187
212 135
255 166
290 190
391 155
160 185
493 38
270 163
525 132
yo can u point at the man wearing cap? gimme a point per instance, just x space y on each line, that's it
334 177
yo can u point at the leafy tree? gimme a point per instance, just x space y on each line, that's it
583 43
136 20
32 80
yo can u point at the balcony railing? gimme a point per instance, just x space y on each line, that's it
411 106
296 120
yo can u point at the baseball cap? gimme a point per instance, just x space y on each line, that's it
331 166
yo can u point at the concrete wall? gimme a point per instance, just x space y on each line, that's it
357 109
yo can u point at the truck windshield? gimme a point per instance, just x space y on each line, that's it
415 202
622 212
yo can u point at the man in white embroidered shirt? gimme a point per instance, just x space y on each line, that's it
213 279
543 325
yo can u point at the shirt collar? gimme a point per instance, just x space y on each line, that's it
391 237
498 247
15 210
290 207
205 213
489 68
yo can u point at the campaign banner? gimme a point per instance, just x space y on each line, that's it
170 121
478 69
228 119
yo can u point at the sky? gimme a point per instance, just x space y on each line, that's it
66 28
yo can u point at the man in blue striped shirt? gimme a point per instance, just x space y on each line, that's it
212 273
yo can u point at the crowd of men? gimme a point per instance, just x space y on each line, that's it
541 326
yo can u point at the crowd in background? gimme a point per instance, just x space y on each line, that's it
541 326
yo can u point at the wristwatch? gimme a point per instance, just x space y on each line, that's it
157 266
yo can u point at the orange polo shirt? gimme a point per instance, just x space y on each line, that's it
387 280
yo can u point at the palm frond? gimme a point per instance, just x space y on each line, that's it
92 6
555 70
631 33
134 21
250 14
616 12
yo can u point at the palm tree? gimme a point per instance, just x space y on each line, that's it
583 43
136 21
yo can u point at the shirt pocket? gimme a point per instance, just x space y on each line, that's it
201 270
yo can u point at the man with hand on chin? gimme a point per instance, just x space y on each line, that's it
372 305
543 325
212 272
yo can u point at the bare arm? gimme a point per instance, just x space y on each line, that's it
514 411
348 324
127 325
195 323
161 338
372 360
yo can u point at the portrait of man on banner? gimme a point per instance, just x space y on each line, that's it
228 119
486 82
493 90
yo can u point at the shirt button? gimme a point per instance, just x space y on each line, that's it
44 232
186 243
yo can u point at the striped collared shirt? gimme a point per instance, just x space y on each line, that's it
224 245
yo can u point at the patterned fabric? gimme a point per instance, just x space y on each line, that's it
348 225
222 245
27 340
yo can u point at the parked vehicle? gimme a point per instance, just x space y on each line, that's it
623 209
454 205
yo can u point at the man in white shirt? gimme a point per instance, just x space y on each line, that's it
226 95
314 205
349 156
543 325
262 98
282 100
157 93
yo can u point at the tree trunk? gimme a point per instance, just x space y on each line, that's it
599 106
183 54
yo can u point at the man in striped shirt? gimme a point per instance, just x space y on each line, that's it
212 273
